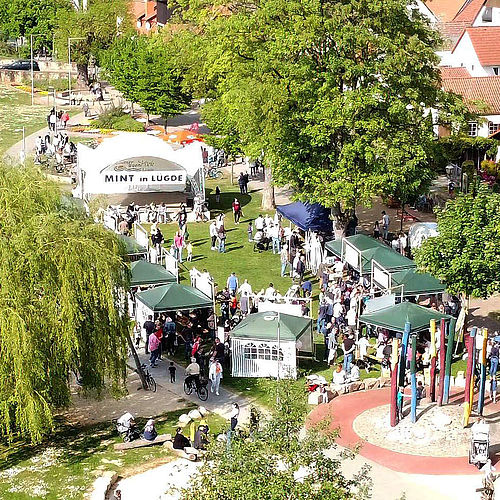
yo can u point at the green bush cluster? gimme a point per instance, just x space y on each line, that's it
44 84
115 119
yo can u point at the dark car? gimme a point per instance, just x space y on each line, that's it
22 65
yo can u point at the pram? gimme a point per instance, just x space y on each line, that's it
479 444
126 427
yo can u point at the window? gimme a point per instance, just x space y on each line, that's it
250 351
496 70
472 129
487 15
264 352
275 354
493 127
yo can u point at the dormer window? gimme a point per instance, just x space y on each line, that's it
487 15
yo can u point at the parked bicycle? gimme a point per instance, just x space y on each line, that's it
150 381
200 388
213 172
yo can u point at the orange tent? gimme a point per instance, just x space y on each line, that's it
183 137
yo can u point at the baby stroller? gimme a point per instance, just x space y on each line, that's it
126 427
479 444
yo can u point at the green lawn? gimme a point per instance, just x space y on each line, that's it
15 112
65 466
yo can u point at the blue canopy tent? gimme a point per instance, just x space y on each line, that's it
307 216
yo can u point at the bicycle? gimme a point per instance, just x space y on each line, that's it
213 173
150 381
200 388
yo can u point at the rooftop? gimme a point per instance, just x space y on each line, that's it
481 94
486 43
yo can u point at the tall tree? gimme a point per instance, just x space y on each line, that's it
141 68
466 253
335 93
60 283
277 462
21 18
93 30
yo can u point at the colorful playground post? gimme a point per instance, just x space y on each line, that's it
469 377
402 357
394 382
442 354
433 353
482 385
449 359
413 371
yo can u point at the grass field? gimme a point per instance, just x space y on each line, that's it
65 466
15 112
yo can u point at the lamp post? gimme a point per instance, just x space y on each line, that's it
31 67
72 39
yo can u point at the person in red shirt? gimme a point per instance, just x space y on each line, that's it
236 210
159 335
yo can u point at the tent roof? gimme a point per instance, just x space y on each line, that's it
335 247
174 297
387 257
264 326
132 246
394 318
415 283
146 273
363 242
307 216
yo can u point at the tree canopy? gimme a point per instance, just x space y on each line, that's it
141 68
466 254
334 93
94 30
275 462
20 18
60 283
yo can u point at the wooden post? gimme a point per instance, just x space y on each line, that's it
433 353
413 371
442 355
449 360
482 386
468 376
394 382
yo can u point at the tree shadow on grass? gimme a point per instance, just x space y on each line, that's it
226 201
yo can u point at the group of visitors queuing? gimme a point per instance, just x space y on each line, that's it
55 145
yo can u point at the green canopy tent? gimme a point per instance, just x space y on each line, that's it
394 318
144 273
359 251
411 283
265 344
133 249
173 297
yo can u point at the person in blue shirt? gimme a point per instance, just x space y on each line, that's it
232 283
306 288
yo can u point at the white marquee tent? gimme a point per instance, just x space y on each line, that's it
138 163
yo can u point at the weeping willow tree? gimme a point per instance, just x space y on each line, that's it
60 276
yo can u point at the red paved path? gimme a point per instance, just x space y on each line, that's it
344 409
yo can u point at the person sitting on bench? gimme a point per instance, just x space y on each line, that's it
150 432
180 441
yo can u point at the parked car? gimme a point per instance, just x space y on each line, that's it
22 65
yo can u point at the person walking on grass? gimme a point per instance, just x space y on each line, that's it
213 234
221 235
179 244
189 248
236 211
215 375
250 232
217 195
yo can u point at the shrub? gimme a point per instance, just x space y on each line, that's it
115 118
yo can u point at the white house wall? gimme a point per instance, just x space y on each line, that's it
465 56
495 14
483 128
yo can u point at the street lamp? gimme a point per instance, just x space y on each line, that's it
22 154
69 67
31 66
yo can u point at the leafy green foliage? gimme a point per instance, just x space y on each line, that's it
24 17
116 119
334 93
268 463
466 254
141 68
59 289
97 27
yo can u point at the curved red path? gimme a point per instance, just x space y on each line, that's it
344 409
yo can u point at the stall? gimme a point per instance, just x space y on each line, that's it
128 165
133 249
266 344
307 216
145 274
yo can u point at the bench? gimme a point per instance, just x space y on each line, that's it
187 453
141 443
